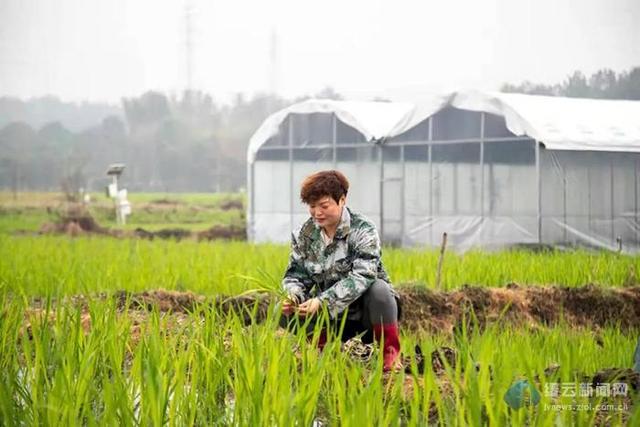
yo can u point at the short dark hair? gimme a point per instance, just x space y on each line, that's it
330 183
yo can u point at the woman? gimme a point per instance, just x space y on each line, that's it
335 262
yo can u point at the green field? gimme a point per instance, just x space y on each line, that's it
90 361
39 265
151 211
209 369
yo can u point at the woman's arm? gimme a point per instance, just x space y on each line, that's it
296 274
363 273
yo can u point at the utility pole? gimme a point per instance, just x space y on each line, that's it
273 72
188 43
273 63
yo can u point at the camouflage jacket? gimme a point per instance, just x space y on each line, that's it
339 272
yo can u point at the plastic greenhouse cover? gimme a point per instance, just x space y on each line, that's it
560 123
374 120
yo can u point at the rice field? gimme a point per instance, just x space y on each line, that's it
212 370
44 265
72 353
192 211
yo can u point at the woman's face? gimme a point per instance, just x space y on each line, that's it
326 212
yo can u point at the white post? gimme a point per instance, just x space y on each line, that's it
114 196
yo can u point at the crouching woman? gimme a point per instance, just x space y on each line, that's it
335 263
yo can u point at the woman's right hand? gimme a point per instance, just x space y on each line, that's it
288 306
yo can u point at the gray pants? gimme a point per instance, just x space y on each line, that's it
378 305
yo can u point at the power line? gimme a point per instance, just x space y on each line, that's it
188 16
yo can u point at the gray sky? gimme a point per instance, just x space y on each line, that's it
101 50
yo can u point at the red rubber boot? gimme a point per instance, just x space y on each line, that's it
322 339
390 345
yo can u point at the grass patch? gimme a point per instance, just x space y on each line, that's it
59 264
152 211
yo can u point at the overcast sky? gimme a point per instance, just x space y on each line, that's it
101 50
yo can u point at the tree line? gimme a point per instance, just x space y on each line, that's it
178 143
169 144
603 84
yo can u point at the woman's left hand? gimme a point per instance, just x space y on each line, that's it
309 307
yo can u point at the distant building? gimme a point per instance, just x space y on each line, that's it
490 169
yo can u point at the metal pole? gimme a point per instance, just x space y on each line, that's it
635 199
538 187
291 172
334 141
430 138
403 195
613 232
429 154
252 202
589 196
482 166
564 204
454 165
381 158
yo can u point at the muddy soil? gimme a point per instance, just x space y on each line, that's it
425 310
589 306
166 233
77 221
223 232
227 205
214 233
74 221
165 201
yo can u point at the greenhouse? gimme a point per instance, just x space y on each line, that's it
492 170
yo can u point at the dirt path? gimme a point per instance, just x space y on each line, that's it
431 311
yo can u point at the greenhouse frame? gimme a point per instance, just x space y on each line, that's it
492 170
